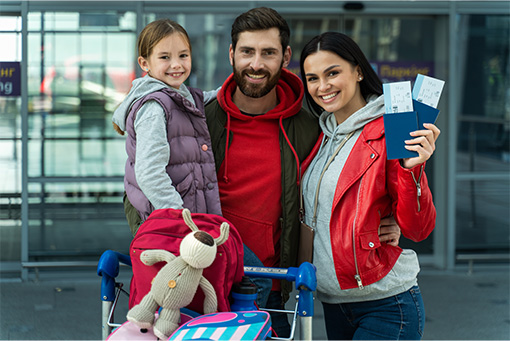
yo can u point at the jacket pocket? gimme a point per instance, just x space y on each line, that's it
186 185
369 240
256 235
369 255
187 189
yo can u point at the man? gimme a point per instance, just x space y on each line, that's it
260 137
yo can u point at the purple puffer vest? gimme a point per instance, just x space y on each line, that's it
191 165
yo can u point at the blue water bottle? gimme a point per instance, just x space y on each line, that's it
244 295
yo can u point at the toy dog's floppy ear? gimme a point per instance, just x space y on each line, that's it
186 215
224 228
150 257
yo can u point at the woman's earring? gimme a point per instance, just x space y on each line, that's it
360 78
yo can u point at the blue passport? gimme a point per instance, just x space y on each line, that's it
426 114
398 126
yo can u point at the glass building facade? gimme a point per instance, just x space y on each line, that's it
62 164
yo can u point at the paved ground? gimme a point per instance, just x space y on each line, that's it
66 306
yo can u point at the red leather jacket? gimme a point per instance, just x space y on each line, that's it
371 187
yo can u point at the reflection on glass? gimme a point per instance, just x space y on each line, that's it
61 21
34 21
34 45
482 215
10 143
79 69
13 41
484 128
87 217
83 157
483 146
10 23
483 134
76 80
10 114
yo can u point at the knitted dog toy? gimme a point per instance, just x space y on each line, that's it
176 283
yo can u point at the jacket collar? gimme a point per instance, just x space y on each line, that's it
373 130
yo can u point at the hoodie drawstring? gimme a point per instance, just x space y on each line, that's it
293 151
225 177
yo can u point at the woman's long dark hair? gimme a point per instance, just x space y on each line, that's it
346 48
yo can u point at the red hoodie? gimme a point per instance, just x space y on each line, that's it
250 176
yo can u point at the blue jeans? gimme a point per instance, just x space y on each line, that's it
279 321
267 298
264 285
400 317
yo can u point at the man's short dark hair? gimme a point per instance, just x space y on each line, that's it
257 19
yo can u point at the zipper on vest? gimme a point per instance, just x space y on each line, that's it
418 187
357 277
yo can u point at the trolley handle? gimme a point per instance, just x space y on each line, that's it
108 268
304 277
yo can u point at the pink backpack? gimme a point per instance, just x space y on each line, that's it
164 229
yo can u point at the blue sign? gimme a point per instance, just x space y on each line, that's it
10 79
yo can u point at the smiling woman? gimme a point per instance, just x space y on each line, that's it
349 186
332 83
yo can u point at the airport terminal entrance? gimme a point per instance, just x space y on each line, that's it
61 186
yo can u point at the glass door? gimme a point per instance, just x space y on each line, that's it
80 65
10 139
483 145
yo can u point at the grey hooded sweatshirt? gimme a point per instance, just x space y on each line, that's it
153 150
403 275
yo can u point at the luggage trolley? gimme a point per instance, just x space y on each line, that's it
303 276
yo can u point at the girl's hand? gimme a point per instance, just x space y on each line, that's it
424 142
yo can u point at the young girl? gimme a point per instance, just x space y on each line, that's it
170 162
368 289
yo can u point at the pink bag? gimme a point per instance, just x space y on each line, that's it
164 229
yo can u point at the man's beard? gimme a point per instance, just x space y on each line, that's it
255 90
